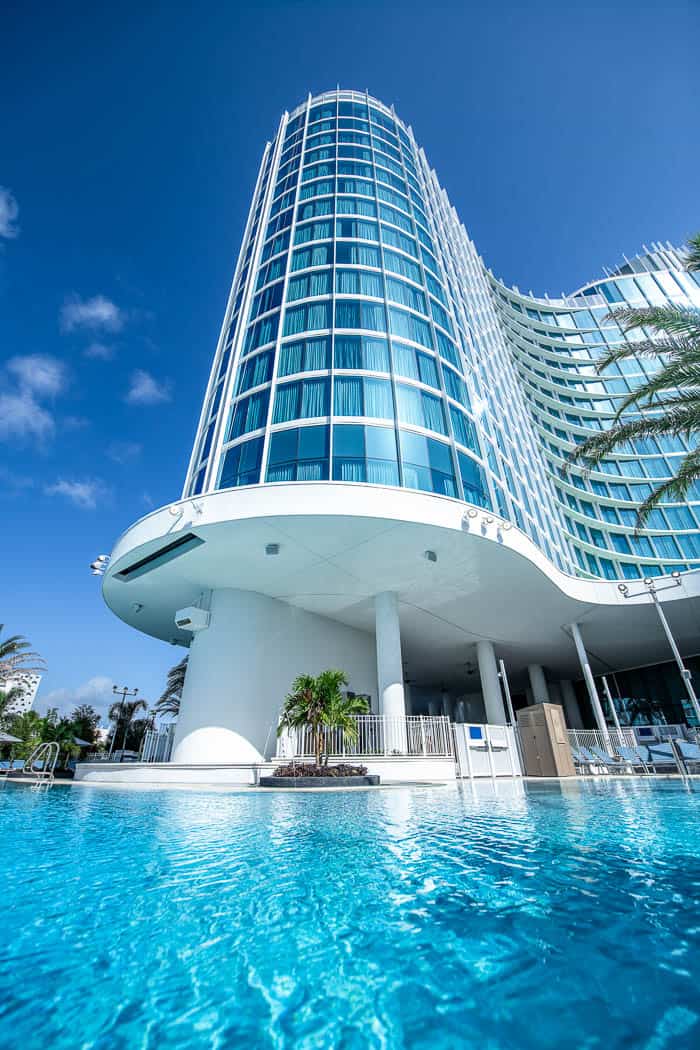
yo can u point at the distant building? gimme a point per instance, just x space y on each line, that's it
28 682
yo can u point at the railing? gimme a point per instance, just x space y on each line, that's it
157 744
628 736
412 735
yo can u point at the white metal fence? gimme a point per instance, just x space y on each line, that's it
629 736
412 735
157 744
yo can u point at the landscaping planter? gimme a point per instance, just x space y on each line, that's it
369 780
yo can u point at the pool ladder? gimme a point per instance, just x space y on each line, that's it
42 762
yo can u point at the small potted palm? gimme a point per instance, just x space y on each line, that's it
319 705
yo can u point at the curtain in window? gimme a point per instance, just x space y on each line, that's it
409 404
320 255
286 401
447 349
285 472
462 429
290 359
349 470
376 355
295 320
433 413
257 411
405 361
372 317
301 259
319 283
261 368
420 332
298 288
311 471
428 370
371 284
314 398
347 396
404 267
347 314
318 316
348 353
378 401
316 356
382 472
347 282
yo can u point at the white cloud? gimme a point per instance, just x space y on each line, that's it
15 481
38 374
84 494
98 312
21 416
145 390
99 352
9 210
96 691
124 451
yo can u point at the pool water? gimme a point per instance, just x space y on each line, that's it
424 917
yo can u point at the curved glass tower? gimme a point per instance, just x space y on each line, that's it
365 342
379 477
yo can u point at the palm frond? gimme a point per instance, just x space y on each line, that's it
692 258
675 375
599 445
676 488
666 320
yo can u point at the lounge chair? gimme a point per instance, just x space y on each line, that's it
16 765
661 757
595 756
635 757
580 761
689 752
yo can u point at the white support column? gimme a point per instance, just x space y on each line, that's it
448 707
389 663
538 683
590 681
571 709
490 685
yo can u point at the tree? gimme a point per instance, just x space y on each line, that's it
169 702
668 403
16 656
7 699
85 721
30 728
319 703
343 710
122 714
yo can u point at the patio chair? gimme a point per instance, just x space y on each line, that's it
580 761
611 762
661 757
635 757
597 758
15 765
689 752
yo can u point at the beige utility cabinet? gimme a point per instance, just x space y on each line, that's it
545 741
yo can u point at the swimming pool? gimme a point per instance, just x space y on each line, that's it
401 918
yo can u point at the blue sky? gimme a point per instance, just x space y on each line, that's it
565 135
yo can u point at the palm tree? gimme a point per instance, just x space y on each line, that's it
7 699
666 404
343 709
169 702
16 656
122 714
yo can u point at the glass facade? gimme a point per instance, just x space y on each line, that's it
365 342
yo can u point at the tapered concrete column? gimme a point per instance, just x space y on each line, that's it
460 713
490 684
538 683
448 707
571 708
434 708
389 663
589 680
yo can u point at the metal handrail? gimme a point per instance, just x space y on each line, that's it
46 754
